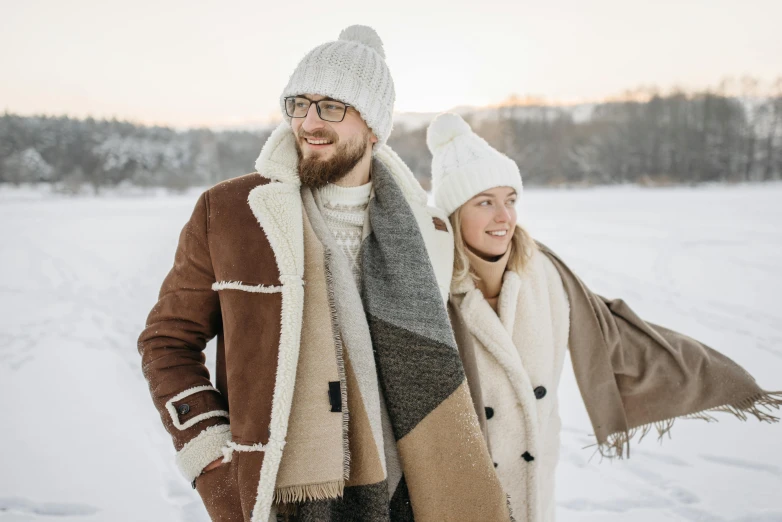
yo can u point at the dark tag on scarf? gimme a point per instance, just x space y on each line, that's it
335 396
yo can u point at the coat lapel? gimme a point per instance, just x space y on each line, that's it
484 324
509 299
277 207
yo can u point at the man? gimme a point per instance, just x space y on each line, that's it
324 277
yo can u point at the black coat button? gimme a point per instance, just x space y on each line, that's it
526 456
540 392
183 409
489 412
495 464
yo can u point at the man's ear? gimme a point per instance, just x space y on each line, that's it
373 138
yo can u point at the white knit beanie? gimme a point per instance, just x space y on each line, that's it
352 70
464 165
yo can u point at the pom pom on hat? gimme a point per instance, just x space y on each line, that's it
365 35
445 128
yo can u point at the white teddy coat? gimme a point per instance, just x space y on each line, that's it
518 350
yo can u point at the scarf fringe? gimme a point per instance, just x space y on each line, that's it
301 493
617 445
510 509
328 256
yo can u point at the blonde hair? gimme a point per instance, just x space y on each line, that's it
522 247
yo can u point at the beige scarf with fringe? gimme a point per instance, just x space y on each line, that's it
316 463
327 451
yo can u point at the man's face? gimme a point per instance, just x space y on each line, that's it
329 150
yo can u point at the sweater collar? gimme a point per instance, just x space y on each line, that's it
489 273
335 195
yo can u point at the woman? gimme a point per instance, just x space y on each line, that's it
516 307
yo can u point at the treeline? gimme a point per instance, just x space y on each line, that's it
651 139
73 154
647 138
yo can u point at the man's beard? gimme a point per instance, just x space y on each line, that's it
315 172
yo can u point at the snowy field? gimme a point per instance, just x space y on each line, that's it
81 441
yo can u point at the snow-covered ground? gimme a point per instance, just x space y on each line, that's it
81 441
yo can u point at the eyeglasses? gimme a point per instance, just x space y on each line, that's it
328 110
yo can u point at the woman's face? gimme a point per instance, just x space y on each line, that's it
489 220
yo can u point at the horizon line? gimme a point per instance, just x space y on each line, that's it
640 94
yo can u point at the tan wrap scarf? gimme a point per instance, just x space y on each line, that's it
634 376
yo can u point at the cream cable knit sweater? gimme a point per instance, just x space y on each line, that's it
344 210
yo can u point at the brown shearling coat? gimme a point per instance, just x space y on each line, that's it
238 275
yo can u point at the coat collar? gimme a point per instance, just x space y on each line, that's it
278 161
277 206
484 324
509 298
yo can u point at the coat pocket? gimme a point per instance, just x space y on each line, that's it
220 493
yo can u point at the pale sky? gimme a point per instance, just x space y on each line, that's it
192 63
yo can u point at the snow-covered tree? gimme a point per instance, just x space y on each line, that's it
27 166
